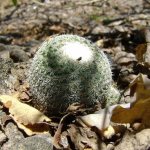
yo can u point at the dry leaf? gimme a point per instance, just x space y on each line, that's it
101 118
139 112
147 55
58 140
84 138
143 50
140 86
28 118
64 140
124 58
140 51
75 107
100 121
3 120
21 112
37 128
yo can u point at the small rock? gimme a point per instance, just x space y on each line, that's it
2 47
14 135
5 39
5 66
24 96
110 147
18 55
4 53
124 58
147 55
136 126
103 146
37 142
3 138
100 30
143 140
140 141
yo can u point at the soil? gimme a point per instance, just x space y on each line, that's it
116 26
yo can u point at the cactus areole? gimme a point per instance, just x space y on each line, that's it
68 69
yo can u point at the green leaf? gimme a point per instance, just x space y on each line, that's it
14 2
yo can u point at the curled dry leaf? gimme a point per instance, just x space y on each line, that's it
37 128
143 50
84 138
141 87
28 118
59 140
123 58
22 113
139 111
124 115
140 51
101 120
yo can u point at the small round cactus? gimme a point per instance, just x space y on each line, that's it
69 69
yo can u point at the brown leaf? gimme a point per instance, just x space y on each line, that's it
140 86
37 128
138 112
64 140
27 117
4 119
84 138
74 107
140 51
147 56
58 140
56 28
124 58
143 50
100 121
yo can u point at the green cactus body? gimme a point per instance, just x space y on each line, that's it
68 69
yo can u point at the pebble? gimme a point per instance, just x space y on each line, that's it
18 55
37 142
3 138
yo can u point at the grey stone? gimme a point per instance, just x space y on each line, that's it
37 142
18 55
3 138
140 141
5 39
13 134
143 140
100 30
5 66
4 52
2 47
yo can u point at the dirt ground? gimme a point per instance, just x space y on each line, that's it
116 26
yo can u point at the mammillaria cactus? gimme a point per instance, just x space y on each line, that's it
69 69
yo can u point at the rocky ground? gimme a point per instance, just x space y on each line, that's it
116 26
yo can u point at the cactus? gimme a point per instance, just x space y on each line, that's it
68 69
